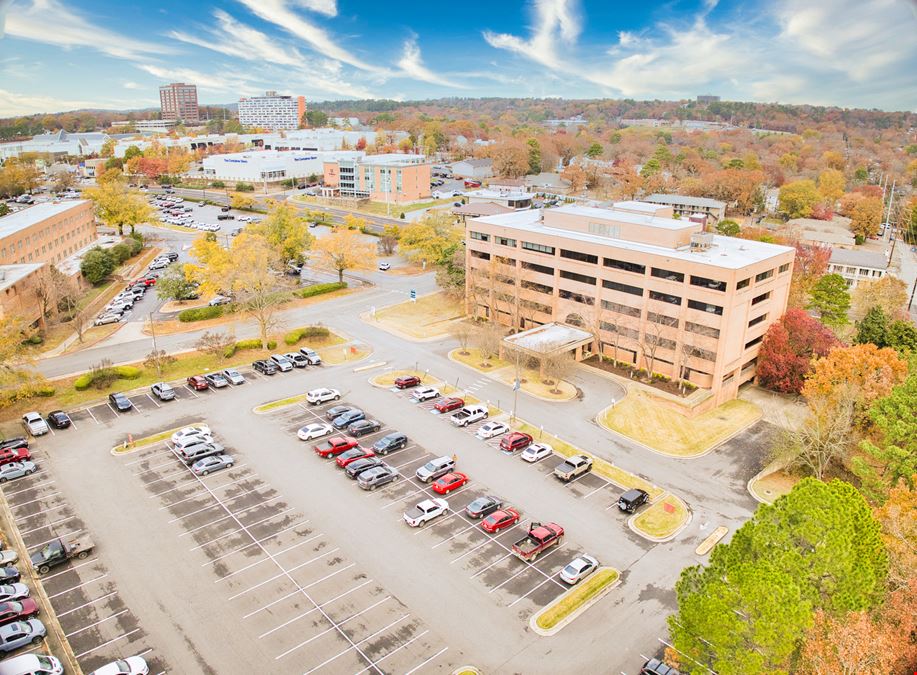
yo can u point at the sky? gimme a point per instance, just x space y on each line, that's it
60 55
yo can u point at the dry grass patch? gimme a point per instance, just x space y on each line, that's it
388 379
429 317
92 336
533 384
574 599
124 448
334 356
473 359
671 433
659 520
773 485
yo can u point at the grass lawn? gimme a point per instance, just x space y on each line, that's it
332 356
666 431
282 403
315 342
429 317
144 442
774 485
388 379
92 335
657 521
473 360
533 384
574 599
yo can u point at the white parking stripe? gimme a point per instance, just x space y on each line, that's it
73 588
470 527
340 623
235 513
523 597
421 665
293 569
92 625
255 543
506 581
258 522
40 513
90 561
56 522
296 618
86 604
399 648
258 562
219 503
32 501
193 393
153 401
92 416
105 644
63 536
598 489
198 493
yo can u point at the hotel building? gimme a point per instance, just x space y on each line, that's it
272 111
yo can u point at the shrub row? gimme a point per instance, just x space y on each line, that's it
105 376
319 289
298 334
253 343
200 313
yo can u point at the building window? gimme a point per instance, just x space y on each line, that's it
503 241
743 284
537 306
783 268
665 343
757 320
576 255
480 254
534 267
749 364
764 275
704 282
705 307
624 288
665 297
620 309
582 278
624 265
619 330
505 261
576 297
480 236
701 329
752 343
540 248
540 288
761 298
704 354
662 319
667 274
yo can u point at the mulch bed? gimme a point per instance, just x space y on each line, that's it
609 367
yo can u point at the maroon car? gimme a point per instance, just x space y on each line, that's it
407 381
515 441
449 404
18 610
8 455
198 383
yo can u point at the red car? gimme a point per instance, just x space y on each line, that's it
407 381
449 404
353 455
198 383
472 183
499 520
335 446
515 441
148 281
8 455
449 482
18 610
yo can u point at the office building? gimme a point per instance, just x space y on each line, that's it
259 166
154 126
389 177
48 232
652 291
56 145
684 205
178 101
272 111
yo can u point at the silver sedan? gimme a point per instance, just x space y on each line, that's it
208 465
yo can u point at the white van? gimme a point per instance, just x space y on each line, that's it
32 664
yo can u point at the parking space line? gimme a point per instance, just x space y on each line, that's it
327 602
193 393
85 604
523 597
105 644
175 487
470 527
296 618
92 625
110 407
399 648
598 489
39 513
495 562
63 536
229 534
219 503
419 666
152 468
277 576
71 568
40 499
196 495
506 581
145 457
153 401
315 637
366 639
255 543
401 499
73 588
73 424
213 522
52 524
92 416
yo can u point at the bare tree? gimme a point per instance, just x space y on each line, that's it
488 339
159 359
53 291
685 354
649 343
555 365
80 321
463 332
215 344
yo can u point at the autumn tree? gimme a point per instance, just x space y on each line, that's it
797 199
898 517
575 175
287 231
52 288
175 285
788 348
889 293
555 365
865 217
810 265
256 282
344 250
831 185
17 376
432 238
825 437
117 206
389 239
242 202
510 158
829 297
216 344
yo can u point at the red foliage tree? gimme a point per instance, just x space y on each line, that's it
786 352
153 167
361 143
822 211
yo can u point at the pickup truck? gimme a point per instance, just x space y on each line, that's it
335 446
425 511
540 538
573 466
58 551
469 415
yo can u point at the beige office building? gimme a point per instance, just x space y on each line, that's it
649 286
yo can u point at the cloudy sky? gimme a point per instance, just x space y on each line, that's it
65 54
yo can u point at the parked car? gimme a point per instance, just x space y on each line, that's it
407 381
338 410
434 469
233 376
483 506
492 430
32 664
198 383
390 443
363 427
358 466
163 391
219 300
184 432
15 442
344 419
335 446
425 511
282 362
264 367
9 575
216 380
314 430
425 394
120 402
657 667
352 455
573 467
311 356
501 519
59 419
632 500
208 465
132 665
469 414
35 424
297 359
13 592
105 319
21 633
19 454
384 266
537 452
197 451
379 475
449 404
515 441
449 482
578 569
8 557
171 255
540 538
316 396
18 610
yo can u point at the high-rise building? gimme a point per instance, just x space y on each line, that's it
178 101
272 111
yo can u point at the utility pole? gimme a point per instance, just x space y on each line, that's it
155 350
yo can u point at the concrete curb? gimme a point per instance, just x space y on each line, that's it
299 399
766 471
492 375
370 366
533 621
659 540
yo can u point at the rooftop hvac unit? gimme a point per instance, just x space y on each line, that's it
701 241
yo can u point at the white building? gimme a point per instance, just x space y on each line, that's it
473 168
857 266
271 111
57 144
514 199
154 126
260 166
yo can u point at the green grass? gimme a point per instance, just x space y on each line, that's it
659 523
576 598
282 403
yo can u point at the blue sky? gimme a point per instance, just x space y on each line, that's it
64 54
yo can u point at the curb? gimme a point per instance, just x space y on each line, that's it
533 621
370 366
707 544
300 399
491 375
659 540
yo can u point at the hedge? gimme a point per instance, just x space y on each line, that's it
200 313
84 381
128 372
319 289
253 343
298 334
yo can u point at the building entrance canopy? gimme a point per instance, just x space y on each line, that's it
550 338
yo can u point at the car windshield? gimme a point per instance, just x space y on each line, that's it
45 662
123 666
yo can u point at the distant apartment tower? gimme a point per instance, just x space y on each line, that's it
178 101
707 98
272 111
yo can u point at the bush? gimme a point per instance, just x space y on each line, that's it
135 242
218 184
121 252
319 289
128 372
97 264
43 391
230 350
245 187
298 334
859 239
200 313
254 343
83 382
34 340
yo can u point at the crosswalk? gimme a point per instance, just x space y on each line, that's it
477 384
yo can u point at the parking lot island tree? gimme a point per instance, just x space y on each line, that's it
118 206
175 285
344 250
287 230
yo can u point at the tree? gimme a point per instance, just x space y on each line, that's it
574 175
889 293
463 332
809 266
450 276
788 348
831 185
63 180
728 228
899 532
825 436
344 250
831 300
352 222
256 281
488 339
287 231
215 344
534 149
595 150
873 328
51 288
650 339
555 365
431 238
159 359
797 198
96 265
116 206
17 376
816 548
865 216
175 285
902 336
389 239
242 202
18 177
510 158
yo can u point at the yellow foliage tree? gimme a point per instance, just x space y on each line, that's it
344 250
116 206
889 293
432 238
238 201
866 216
831 185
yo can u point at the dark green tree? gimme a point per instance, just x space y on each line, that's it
595 150
316 118
902 336
174 285
831 299
131 152
534 156
873 328
729 228
96 265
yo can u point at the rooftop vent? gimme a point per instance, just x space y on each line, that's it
701 241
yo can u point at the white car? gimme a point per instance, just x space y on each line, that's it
317 396
492 430
196 430
384 266
578 569
244 219
425 511
132 665
35 424
283 363
106 319
219 300
192 439
425 393
314 430
536 452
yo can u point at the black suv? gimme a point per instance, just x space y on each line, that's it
337 411
657 667
363 427
171 255
121 402
632 500
265 367
390 443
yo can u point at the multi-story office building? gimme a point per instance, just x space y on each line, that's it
652 291
178 101
389 177
684 205
272 111
48 232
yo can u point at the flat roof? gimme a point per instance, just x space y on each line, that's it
34 214
634 205
481 209
726 252
686 200
10 274
394 158
846 256
626 217
551 337
488 193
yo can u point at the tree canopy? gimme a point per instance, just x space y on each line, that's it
788 349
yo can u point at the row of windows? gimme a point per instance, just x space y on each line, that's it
665 343
544 269
620 309
537 306
576 297
503 241
576 255
582 278
540 248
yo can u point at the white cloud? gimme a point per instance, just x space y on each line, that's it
50 22
224 82
411 64
13 104
133 85
555 21
326 7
